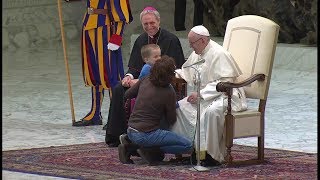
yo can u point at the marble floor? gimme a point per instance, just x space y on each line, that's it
36 105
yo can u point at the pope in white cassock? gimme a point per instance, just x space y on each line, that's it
218 66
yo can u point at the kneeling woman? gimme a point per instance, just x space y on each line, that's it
156 100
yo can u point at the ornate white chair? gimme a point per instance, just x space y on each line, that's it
252 42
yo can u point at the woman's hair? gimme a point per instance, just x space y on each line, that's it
163 71
146 50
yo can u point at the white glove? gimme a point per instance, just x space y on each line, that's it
114 42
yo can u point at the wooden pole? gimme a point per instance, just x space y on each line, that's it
66 61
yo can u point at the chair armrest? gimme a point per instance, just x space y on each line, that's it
226 86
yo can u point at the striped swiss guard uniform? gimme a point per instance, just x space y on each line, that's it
102 66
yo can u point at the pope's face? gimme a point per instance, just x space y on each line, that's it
196 42
150 24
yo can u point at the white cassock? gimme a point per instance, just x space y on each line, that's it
218 66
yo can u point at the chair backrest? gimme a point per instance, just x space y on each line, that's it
252 42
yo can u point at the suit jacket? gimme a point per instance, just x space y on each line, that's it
169 43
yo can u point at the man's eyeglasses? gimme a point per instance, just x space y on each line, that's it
191 43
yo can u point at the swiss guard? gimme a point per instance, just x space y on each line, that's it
102 66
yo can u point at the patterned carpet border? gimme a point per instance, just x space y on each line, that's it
97 161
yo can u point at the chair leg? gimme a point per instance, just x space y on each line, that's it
229 136
228 157
261 148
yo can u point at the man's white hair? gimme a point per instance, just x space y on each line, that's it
151 11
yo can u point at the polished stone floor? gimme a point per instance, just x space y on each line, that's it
36 105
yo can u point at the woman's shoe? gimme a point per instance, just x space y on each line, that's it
124 154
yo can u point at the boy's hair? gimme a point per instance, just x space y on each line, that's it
163 71
146 50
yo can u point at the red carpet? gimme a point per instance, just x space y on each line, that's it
97 161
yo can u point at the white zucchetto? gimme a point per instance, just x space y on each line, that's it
201 30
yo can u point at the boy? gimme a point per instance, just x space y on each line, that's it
150 53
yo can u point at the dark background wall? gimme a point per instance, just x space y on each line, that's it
297 18
33 24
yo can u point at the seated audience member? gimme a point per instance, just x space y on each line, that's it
218 66
169 44
155 100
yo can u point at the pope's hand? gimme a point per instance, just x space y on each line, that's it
192 98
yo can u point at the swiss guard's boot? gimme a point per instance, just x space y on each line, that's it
94 116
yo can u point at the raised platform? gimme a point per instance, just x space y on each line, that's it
36 100
36 107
